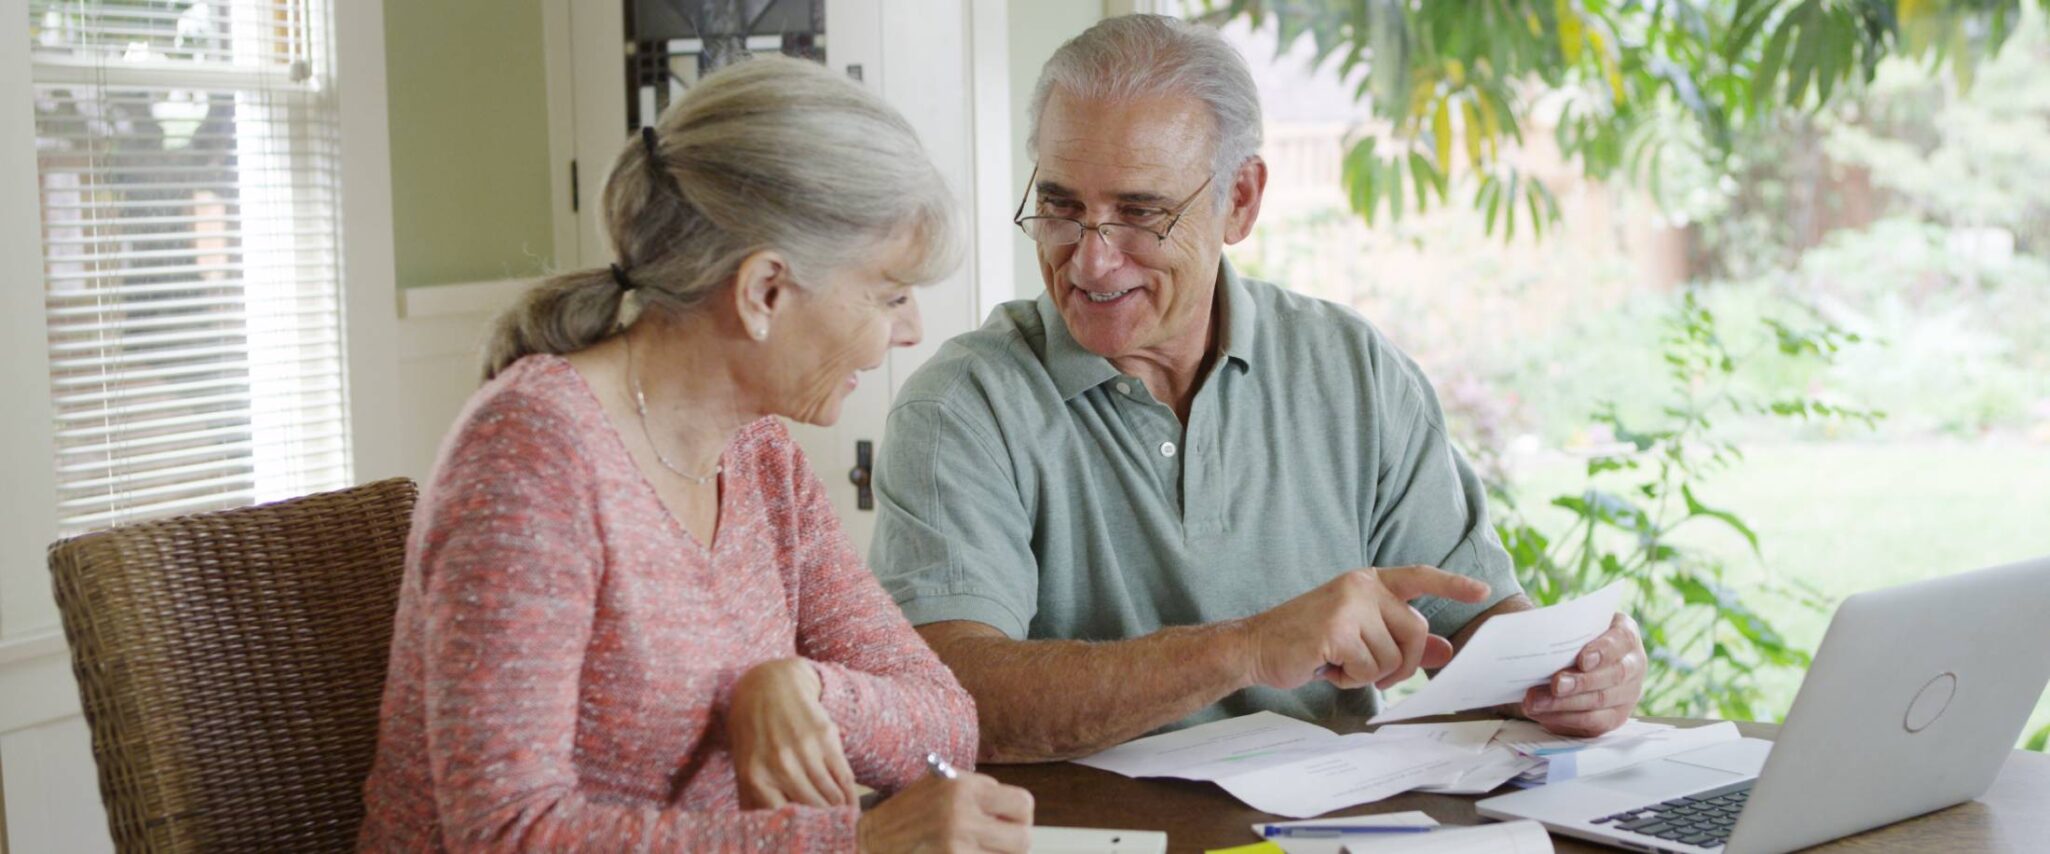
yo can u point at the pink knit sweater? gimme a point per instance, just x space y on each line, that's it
565 652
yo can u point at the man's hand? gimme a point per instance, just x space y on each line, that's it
1601 689
785 748
1360 625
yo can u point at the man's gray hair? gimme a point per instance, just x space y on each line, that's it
1132 57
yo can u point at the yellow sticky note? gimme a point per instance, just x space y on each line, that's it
1255 848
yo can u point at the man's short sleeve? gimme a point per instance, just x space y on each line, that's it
953 540
1432 510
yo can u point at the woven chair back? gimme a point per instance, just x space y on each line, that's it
231 666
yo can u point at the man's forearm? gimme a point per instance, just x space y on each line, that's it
1046 700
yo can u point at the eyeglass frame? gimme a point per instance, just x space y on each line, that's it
1018 218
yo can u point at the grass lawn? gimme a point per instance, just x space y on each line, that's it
1848 517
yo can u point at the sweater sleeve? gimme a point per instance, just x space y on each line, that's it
892 698
511 565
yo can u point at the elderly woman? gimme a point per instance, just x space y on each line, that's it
630 619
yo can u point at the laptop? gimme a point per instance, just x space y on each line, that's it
1914 701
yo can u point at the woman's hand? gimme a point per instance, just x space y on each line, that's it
786 750
973 813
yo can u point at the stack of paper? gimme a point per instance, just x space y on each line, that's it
1288 767
1609 753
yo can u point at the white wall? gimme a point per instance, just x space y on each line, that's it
1037 27
441 334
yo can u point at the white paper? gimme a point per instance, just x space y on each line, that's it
1595 760
1509 837
1240 738
1531 739
1245 762
1089 840
1284 766
1471 736
1357 776
1509 654
1336 844
1496 766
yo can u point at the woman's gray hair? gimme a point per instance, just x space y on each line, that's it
1132 57
769 153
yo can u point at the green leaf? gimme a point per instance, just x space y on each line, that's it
1697 509
1441 132
1769 64
1492 190
2040 742
1358 172
1531 200
1391 180
1473 134
1746 21
1606 508
1509 209
1813 38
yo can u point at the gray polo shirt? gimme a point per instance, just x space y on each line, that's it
1025 483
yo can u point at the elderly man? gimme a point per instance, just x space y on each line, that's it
1146 497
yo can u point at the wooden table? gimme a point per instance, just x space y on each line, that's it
2013 816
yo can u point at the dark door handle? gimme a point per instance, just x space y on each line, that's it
864 454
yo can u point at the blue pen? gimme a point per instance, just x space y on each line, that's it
1315 830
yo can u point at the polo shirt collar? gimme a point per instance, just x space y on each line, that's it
1240 316
1075 370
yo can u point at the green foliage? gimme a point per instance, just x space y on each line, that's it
1621 81
2040 742
1707 648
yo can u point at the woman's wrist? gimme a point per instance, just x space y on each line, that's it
813 681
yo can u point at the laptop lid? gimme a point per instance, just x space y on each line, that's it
1916 697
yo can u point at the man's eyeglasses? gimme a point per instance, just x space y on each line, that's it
1127 237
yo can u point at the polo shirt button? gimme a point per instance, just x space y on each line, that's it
1124 388
1167 449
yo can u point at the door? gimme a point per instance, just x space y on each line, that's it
940 62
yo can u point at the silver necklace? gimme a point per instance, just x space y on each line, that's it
633 378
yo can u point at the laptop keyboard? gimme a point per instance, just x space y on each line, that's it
1702 819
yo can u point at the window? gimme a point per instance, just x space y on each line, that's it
187 154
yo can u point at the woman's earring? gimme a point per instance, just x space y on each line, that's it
761 332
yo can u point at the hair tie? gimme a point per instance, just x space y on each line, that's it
619 278
648 142
655 164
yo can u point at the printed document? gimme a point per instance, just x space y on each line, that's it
1205 752
1363 774
1288 767
1509 654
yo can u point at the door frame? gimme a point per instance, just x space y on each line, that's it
959 43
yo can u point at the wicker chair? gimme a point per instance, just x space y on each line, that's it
231 666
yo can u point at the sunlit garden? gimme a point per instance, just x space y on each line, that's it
1752 314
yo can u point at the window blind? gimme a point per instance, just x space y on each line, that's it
187 151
